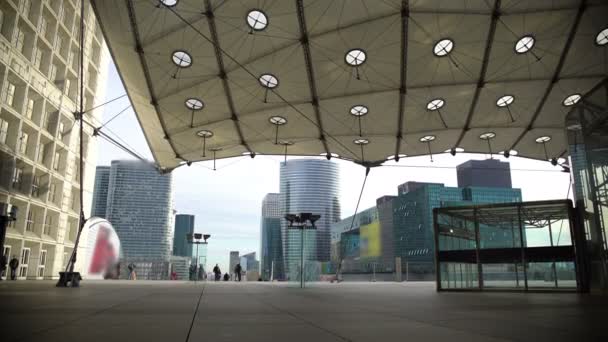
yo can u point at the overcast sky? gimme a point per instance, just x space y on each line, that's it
227 202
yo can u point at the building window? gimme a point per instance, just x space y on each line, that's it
43 26
29 110
53 72
58 44
24 7
19 39
61 133
3 131
36 186
42 263
52 191
66 87
17 178
56 161
29 222
48 224
10 94
41 153
23 143
25 260
37 58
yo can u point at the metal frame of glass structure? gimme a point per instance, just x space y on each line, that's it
544 249
587 130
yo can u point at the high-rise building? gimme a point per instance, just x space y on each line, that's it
100 191
184 226
39 140
234 259
140 204
385 216
309 186
413 218
489 173
249 262
271 246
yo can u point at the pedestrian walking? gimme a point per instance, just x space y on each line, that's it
132 274
217 272
237 271
13 264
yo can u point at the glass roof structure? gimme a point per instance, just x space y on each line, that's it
450 70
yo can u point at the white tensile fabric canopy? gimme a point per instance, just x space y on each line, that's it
365 80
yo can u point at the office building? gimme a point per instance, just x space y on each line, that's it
413 218
140 204
489 173
384 205
309 186
100 191
357 239
271 246
249 262
39 140
184 226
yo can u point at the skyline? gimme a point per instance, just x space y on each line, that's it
212 197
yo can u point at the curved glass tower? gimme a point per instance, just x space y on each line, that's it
309 185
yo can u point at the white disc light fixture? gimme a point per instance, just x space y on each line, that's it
524 44
443 47
571 100
257 20
181 58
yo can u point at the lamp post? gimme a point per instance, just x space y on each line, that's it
196 240
8 213
298 221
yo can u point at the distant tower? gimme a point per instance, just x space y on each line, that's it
184 225
489 173
309 185
100 191
271 246
140 209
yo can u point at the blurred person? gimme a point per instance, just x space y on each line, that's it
226 276
237 271
132 274
217 272
13 264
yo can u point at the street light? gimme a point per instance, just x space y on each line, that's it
196 240
298 221
8 213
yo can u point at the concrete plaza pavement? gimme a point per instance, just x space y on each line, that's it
228 311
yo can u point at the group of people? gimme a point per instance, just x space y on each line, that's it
13 264
218 273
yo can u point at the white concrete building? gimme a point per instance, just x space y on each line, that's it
39 62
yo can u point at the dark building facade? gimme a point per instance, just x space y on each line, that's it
387 234
489 173
100 191
184 225
271 245
413 218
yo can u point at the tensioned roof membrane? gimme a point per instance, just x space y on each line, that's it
364 80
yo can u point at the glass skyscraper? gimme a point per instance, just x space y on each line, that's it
271 246
100 191
184 225
139 207
413 216
311 186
